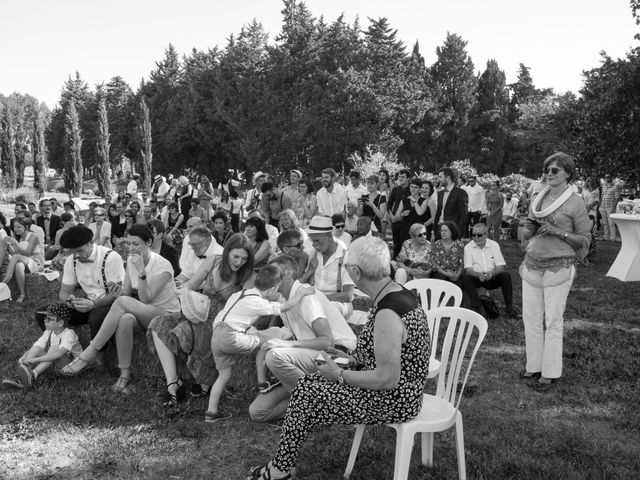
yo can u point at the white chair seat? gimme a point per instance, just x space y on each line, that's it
436 415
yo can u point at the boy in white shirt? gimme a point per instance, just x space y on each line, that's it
233 334
57 346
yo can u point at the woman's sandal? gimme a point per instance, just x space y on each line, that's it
171 400
78 366
122 384
264 473
20 299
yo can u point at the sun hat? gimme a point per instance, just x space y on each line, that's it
76 237
297 172
195 306
320 225
156 178
257 175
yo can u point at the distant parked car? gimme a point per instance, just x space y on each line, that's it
51 172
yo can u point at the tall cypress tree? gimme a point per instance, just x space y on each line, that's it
74 169
102 147
145 145
39 153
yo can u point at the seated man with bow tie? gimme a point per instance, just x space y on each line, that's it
199 245
97 270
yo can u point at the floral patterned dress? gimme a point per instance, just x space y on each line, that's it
450 259
317 401
189 342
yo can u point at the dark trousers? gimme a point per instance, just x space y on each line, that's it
93 318
396 231
470 285
235 222
472 219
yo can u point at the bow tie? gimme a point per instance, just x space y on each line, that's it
201 256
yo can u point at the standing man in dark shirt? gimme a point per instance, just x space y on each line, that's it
398 193
453 201
50 223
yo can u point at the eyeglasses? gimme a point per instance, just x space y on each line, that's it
340 225
421 234
129 216
98 214
553 170
297 245
478 235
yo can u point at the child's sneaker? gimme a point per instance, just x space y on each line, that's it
211 417
25 375
14 382
270 384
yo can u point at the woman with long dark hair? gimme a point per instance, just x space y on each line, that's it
256 232
26 254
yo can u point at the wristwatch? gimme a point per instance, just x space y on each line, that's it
142 277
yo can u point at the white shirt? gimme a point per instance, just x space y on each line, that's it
311 308
476 198
510 207
89 275
273 236
132 187
326 274
67 339
105 231
163 189
166 297
331 203
249 203
483 260
242 312
354 193
190 262
344 238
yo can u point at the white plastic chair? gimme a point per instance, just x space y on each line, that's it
435 293
440 411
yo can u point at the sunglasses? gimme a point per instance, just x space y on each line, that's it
478 235
129 216
340 225
421 234
297 245
553 170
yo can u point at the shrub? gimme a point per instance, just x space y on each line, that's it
20 195
373 162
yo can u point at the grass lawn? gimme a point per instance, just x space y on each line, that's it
586 427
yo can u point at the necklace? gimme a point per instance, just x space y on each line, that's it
383 287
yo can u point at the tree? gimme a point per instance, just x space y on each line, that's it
39 152
146 145
74 168
102 147
455 84
489 119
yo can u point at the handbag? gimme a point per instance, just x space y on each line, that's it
194 306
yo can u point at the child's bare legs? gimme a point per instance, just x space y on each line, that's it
261 366
224 375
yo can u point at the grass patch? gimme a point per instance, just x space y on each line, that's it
586 427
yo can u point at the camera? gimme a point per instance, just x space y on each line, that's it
364 198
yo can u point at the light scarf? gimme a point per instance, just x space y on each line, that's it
537 202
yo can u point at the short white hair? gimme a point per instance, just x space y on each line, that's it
371 255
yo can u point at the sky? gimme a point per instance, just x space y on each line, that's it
43 42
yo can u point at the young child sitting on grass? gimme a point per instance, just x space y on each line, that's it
233 335
57 346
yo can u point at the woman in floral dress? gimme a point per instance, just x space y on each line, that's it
447 254
388 371
175 339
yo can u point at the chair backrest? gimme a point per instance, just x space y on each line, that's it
461 331
435 293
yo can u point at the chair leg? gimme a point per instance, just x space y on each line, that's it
404 447
427 448
462 471
355 446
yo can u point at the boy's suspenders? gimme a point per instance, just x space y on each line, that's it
242 295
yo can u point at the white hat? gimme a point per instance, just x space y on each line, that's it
5 293
320 224
258 174
156 178
195 306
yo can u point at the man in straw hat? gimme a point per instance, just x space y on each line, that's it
95 269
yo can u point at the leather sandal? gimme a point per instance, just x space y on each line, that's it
170 399
264 473
122 384
78 366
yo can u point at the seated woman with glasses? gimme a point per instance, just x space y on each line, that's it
101 228
119 238
414 259
447 254
386 379
339 231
